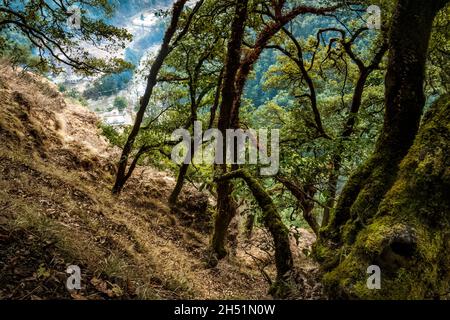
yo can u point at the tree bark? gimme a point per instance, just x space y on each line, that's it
249 225
280 233
409 37
358 209
144 101
179 185
409 236
331 190
236 74
226 206
304 196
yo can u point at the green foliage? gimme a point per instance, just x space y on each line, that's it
120 103
18 51
74 94
62 88
271 100
438 78
113 136
275 97
110 84
46 30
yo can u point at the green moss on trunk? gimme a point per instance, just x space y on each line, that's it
280 233
225 212
409 236
360 202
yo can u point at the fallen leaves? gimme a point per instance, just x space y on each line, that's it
110 289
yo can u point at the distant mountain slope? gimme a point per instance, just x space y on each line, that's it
132 7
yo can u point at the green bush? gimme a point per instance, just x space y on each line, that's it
120 103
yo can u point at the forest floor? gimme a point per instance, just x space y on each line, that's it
56 210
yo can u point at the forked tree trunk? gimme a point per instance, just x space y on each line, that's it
237 71
226 206
304 195
408 43
349 127
409 237
369 226
280 233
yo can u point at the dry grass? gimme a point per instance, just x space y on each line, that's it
57 209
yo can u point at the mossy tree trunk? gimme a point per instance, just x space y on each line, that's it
226 206
238 67
360 223
272 221
409 236
408 44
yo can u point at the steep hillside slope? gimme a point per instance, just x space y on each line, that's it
56 210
